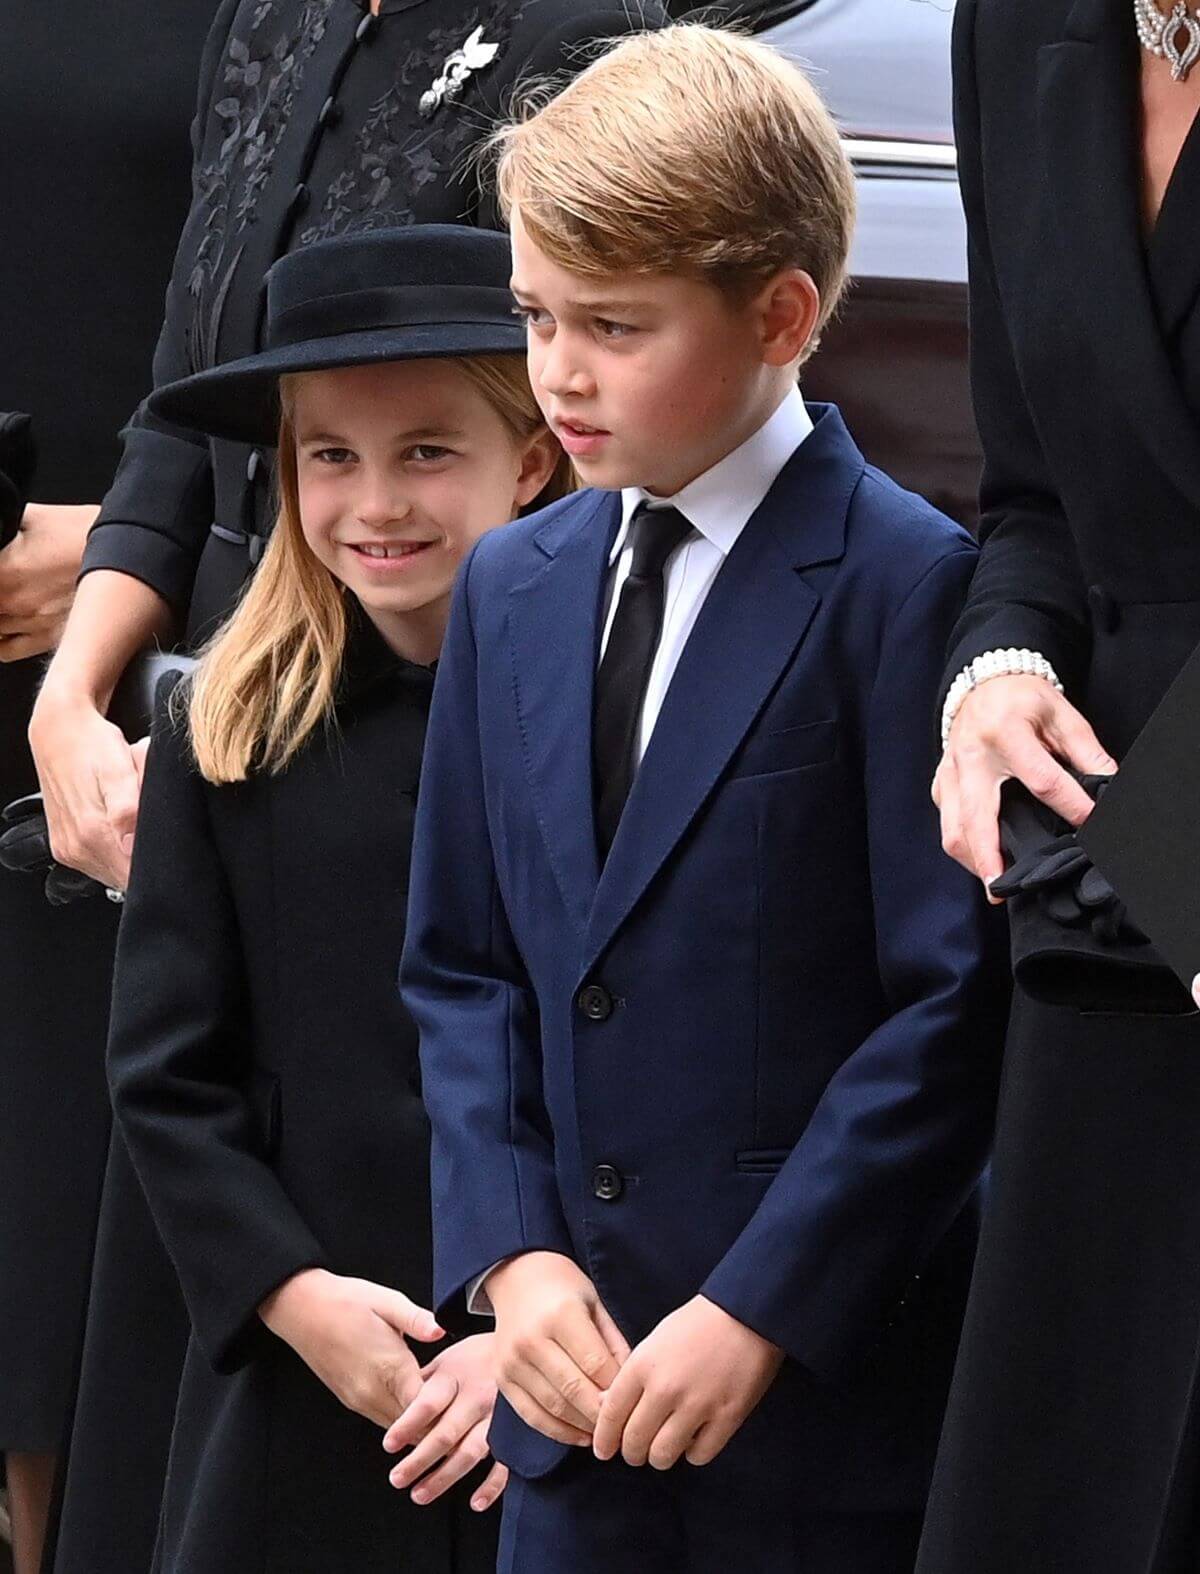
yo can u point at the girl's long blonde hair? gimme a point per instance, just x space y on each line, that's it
269 677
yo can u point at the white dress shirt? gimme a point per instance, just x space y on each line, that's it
718 505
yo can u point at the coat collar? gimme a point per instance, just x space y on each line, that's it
369 661
1088 110
756 615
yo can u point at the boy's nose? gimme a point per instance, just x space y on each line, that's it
561 373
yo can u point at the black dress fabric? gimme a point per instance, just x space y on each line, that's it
93 189
308 123
1070 1435
265 1077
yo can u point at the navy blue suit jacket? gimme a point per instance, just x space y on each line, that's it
795 1083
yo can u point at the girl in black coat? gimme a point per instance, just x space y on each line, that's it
264 1072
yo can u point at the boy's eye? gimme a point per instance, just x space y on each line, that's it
533 316
607 329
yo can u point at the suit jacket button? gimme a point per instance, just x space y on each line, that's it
607 1183
595 1002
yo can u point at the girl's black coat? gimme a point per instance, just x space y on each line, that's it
1068 1441
265 1078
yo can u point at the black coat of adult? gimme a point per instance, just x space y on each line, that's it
1067 1442
308 123
94 129
265 1078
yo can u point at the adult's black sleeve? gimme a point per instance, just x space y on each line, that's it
156 515
1028 589
181 1066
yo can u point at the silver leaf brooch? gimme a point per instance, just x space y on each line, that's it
474 56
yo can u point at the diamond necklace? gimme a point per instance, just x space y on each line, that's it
1160 35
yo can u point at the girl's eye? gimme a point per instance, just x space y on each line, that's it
612 330
333 456
427 453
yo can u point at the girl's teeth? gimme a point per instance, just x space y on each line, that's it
382 551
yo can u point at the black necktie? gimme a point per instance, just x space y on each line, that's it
625 670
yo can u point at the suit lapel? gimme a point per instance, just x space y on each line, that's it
554 626
1088 108
756 614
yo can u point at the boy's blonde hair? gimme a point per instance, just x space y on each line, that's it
269 677
687 150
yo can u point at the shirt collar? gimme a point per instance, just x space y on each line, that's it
719 503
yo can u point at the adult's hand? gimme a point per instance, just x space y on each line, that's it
91 784
90 777
1011 728
38 570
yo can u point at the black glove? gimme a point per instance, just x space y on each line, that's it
1073 941
25 848
24 834
18 460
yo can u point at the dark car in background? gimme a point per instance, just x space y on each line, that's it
896 358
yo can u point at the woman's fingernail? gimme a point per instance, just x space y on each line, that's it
479 1503
1196 989
420 1496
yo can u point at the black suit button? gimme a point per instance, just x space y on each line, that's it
607 1183
300 199
366 29
253 466
331 114
595 1002
1106 614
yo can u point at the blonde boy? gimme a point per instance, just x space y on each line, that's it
709 1025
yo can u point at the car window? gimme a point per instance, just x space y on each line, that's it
883 66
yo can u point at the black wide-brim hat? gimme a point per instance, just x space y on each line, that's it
388 295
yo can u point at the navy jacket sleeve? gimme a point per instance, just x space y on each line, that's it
901 1134
181 1068
1028 589
494 1190
156 515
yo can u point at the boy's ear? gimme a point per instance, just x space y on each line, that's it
538 459
788 308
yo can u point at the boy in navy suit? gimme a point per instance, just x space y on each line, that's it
710 1027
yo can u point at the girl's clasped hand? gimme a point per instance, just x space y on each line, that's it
354 1336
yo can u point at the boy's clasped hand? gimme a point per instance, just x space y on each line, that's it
567 1370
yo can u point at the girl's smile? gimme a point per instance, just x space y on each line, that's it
400 468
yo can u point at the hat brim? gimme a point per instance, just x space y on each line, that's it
240 400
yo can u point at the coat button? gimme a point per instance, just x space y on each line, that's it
607 1183
366 29
299 200
1106 614
253 466
331 113
595 1002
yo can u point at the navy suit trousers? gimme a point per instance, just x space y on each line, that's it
591 1518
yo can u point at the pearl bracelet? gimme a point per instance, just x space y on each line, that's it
994 664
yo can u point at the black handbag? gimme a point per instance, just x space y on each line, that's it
25 837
